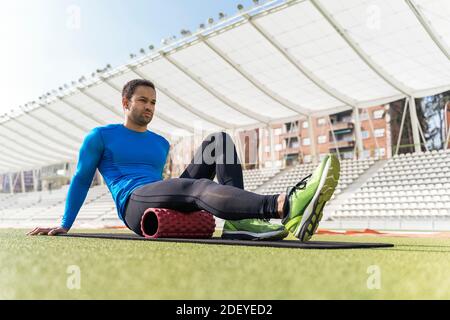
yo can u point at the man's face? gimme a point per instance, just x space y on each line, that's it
141 107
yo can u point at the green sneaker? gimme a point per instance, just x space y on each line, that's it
307 199
253 229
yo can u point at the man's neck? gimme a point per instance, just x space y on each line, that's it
133 126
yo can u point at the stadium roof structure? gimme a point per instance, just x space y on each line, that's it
277 61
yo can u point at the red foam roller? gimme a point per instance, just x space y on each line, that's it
166 223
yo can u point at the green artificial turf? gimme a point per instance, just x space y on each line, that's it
39 268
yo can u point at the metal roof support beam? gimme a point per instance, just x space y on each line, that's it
219 96
447 140
13 159
334 137
429 29
62 132
445 128
422 136
60 116
8 167
26 152
414 124
185 105
49 137
255 82
359 51
272 146
240 147
35 183
112 109
405 108
22 181
260 147
358 135
98 101
44 146
372 129
161 116
312 140
300 67
41 151
15 162
87 115
11 187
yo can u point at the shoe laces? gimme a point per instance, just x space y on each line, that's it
299 186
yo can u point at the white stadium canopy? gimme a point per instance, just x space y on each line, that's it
277 61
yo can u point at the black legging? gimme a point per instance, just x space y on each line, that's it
195 189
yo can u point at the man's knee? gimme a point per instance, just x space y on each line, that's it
202 184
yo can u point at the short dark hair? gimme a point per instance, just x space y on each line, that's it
130 87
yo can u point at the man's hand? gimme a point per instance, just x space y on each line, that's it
47 231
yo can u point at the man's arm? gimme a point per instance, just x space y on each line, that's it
89 157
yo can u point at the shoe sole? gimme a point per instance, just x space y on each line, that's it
314 212
243 235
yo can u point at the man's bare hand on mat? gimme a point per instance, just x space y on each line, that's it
47 231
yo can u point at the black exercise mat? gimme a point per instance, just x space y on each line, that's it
275 244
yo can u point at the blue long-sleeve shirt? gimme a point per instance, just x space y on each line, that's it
126 159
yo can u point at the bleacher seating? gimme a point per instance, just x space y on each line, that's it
257 177
409 185
36 208
350 171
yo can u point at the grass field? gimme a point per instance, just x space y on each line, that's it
39 267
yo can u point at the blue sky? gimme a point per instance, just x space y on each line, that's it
46 43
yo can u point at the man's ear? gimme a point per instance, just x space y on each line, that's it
125 102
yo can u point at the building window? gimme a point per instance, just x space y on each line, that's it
365 134
379 133
321 121
306 142
278 147
267 149
378 114
278 131
305 125
322 139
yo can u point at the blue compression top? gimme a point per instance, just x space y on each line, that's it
127 159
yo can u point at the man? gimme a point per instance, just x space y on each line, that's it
131 160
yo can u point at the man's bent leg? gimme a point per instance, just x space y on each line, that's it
216 156
187 195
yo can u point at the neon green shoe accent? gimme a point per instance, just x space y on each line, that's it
307 201
293 222
253 229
